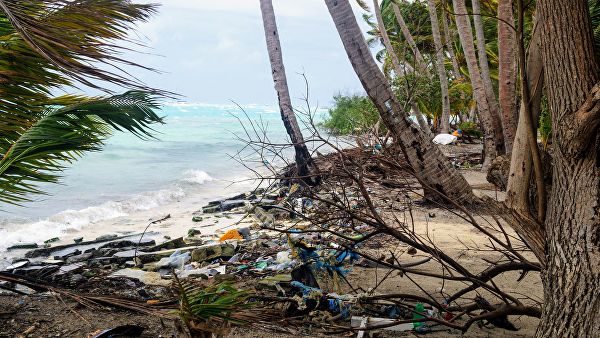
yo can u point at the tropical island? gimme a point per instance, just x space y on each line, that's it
432 169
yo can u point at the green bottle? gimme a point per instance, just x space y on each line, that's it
420 309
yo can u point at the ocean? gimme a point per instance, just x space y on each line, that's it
118 189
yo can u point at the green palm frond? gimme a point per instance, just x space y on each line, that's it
363 5
212 308
60 135
93 26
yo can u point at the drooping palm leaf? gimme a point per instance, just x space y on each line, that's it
76 37
60 135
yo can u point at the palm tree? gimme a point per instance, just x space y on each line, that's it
430 166
396 64
507 72
486 77
439 63
304 163
465 34
51 44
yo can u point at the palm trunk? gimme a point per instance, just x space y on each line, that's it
486 77
448 36
304 162
441 69
507 72
396 63
572 73
465 34
517 190
430 166
420 62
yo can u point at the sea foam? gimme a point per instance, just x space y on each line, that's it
73 220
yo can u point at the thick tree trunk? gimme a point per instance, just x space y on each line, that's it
304 162
465 34
430 166
439 64
449 37
572 275
486 77
420 62
507 72
396 63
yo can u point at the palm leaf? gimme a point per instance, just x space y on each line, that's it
93 26
60 135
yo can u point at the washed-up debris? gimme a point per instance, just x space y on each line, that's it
231 234
22 246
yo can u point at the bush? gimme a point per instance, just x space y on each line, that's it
470 129
351 114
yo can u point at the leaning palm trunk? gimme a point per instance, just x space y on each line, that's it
430 166
507 72
486 77
397 69
420 62
449 46
485 113
304 163
441 69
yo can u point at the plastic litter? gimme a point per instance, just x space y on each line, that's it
231 234
444 139
177 260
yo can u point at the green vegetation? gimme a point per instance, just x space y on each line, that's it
351 114
210 310
46 45
545 127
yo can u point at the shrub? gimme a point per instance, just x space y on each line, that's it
351 114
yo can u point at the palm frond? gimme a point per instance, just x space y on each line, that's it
363 5
60 135
93 26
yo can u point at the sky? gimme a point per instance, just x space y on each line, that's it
214 51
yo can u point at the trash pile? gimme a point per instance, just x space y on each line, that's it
271 251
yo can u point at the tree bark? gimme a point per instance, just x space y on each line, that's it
396 63
486 77
439 64
304 163
572 275
517 191
420 62
507 72
465 34
448 36
430 166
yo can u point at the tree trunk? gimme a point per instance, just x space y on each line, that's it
486 77
396 63
448 36
572 275
507 72
430 166
439 64
517 191
420 62
304 162
465 34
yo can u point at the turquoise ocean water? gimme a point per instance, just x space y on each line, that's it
190 157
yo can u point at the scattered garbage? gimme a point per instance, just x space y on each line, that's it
444 139
231 234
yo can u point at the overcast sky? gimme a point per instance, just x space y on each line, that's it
214 51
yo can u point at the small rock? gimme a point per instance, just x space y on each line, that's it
51 240
411 251
105 238
197 219
193 232
79 258
432 214
66 253
78 240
